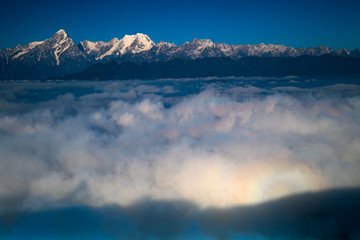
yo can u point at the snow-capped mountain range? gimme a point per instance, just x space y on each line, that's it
140 47
59 55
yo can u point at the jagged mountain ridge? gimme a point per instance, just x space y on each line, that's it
198 48
59 55
38 60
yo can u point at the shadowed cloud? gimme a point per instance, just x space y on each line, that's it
324 215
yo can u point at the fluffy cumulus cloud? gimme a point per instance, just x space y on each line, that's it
221 147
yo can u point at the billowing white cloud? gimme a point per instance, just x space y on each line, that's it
119 144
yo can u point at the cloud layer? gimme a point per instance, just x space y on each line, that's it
95 144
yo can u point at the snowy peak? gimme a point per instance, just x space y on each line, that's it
226 49
199 48
54 56
115 41
135 43
109 48
59 43
19 51
92 48
34 44
203 42
128 44
60 35
99 50
165 44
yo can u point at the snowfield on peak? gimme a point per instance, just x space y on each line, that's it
114 45
25 49
128 44
136 43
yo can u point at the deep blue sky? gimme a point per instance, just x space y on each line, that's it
335 23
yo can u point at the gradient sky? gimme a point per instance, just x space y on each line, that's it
335 23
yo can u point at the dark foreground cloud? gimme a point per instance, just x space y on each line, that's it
324 215
205 145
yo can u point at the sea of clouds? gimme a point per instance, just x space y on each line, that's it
214 143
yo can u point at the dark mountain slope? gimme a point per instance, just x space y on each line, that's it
326 65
